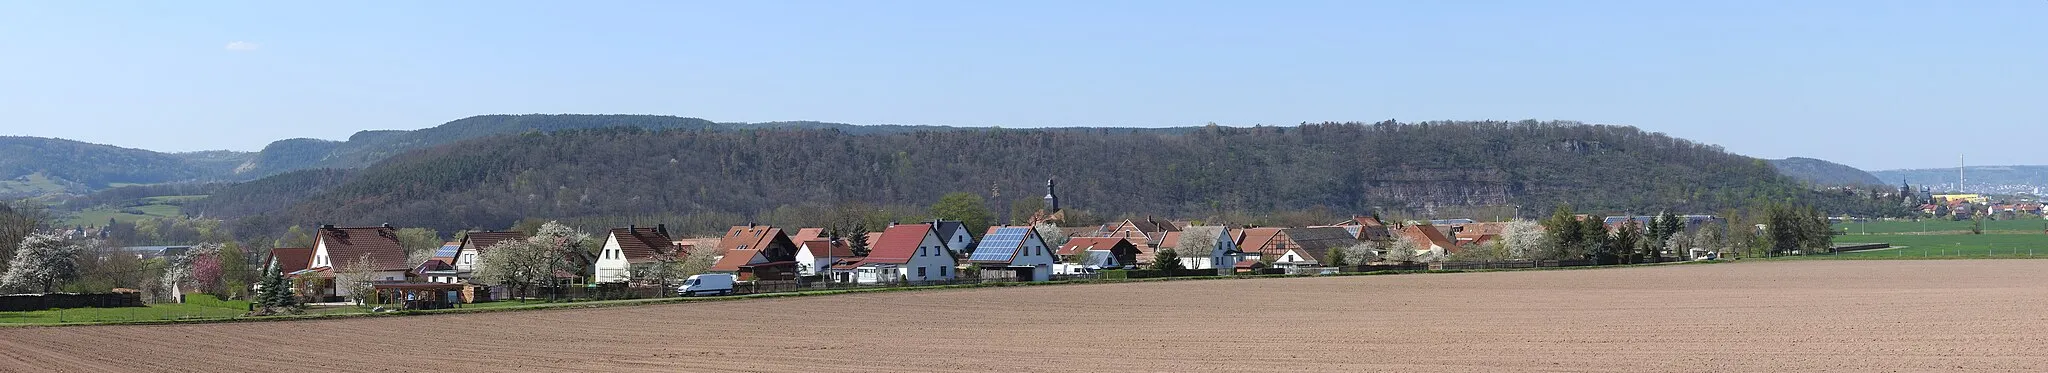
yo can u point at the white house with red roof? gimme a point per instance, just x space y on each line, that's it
629 246
343 248
907 253
821 253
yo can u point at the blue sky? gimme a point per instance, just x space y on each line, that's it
1873 84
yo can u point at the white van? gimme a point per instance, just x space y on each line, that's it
706 285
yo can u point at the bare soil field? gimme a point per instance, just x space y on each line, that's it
1789 316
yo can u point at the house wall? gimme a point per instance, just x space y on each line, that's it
959 241
343 291
465 260
1036 254
611 262
932 256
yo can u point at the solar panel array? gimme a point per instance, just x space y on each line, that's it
1000 245
447 250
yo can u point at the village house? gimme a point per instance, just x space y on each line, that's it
757 253
288 259
1204 247
1263 243
472 247
955 235
1366 228
373 250
1014 252
1145 234
1310 247
818 254
440 268
806 234
1121 253
1434 244
907 253
632 246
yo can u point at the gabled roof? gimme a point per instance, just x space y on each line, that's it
1428 235
898 244
1216 232
748 237
1254 239
806 234
1168 241
822 248
1151 225
290 259
946 228
380 244
480 240
1321 239
1092 243
1248 264
1001 244
639 243
734 259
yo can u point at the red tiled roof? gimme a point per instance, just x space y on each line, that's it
1248 264
290 259
1427 235
641 243
749 237
806 234
1256 239
898 244
848 263
734 259
1168 241
379 244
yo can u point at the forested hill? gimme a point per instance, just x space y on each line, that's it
34 166
492 182
1822 172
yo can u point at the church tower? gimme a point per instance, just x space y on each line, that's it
1052 199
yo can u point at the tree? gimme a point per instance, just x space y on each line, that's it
1977 224
275 296
358 276
419 243
1524 239
206 268
522 264
1168 260
295 237
1054 237
697 262
235 271
1404 249
1625 241
1359 253
1339 258
666 265
965 207
1565 240
42 262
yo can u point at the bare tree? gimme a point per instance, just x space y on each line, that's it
358 277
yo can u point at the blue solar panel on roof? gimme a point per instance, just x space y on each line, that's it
1001 245
447 250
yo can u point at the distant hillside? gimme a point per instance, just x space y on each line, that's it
1351 167
1822 172
34 166
1983 179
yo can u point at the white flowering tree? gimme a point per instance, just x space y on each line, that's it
41 263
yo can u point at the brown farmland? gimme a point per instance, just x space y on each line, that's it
1862 316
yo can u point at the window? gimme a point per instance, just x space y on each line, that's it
920 272
942 272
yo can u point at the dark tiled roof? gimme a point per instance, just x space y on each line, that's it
480 240
380 244
898 244
826 248
291 259
945 228
641 243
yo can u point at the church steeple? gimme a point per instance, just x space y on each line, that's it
1052 199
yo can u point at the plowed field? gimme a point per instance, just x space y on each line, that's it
1792 316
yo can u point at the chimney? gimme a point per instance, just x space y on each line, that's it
327 226
387 225
632 228
661 228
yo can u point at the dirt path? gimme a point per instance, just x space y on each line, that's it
1792 316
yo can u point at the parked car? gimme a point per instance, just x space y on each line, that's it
706 285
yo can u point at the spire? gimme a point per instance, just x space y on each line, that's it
1052 199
